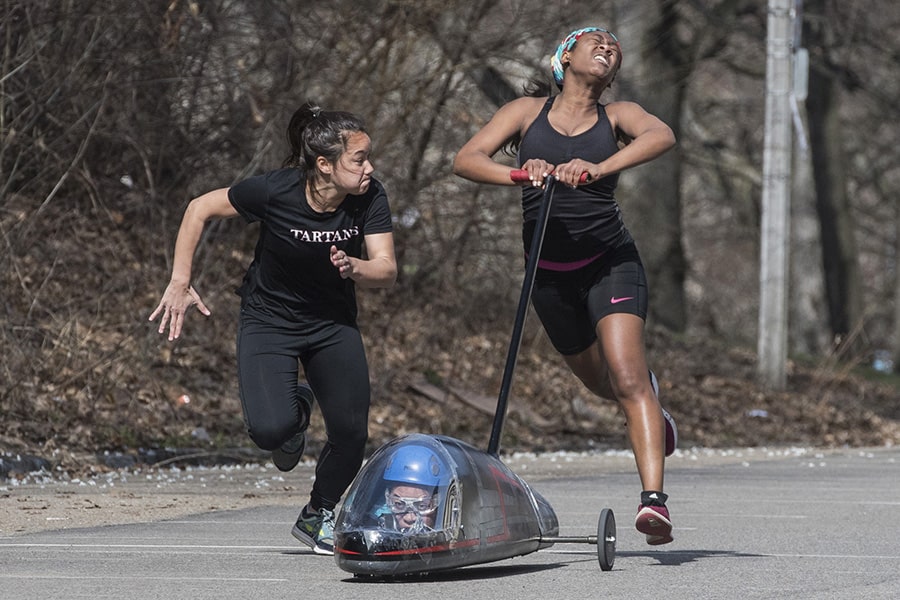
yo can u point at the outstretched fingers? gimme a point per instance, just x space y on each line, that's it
173 308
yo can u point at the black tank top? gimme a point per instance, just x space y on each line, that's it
584 222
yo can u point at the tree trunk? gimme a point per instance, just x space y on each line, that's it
895 338
808 324
653 75
843 284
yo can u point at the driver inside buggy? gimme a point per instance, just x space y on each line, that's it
413 479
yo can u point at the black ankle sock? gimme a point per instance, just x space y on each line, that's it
651 498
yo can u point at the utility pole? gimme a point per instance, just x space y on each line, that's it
776 197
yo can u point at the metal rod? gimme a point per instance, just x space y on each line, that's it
534 253
584 539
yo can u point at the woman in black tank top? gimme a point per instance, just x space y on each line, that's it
590 291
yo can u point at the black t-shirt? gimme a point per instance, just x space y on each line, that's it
291 280
585 221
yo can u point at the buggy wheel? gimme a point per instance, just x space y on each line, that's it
606 539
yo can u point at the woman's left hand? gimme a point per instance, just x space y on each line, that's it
571 173
342 262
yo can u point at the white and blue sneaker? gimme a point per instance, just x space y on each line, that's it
316 529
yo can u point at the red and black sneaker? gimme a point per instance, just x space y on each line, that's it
671 429
654 522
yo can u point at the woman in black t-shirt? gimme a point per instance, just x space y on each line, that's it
590 288
317 214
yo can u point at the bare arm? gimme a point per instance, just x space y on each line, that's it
650 138
179 296
379 270
475 161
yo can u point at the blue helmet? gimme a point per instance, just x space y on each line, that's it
417 465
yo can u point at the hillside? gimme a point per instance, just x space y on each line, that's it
88 383
447 384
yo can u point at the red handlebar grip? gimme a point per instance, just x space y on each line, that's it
521 176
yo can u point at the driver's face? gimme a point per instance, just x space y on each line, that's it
410 504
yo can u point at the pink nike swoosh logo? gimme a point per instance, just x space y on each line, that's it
615 300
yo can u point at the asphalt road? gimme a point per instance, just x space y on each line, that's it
784 524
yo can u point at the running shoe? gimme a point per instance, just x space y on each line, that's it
316 530
288 455
671 429
653 521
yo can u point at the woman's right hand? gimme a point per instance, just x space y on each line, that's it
173 307
538 170
179 295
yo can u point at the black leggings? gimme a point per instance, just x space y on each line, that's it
334 361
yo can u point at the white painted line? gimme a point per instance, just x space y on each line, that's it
143 577
155 546
710 554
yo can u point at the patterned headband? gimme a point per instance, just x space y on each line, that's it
566 45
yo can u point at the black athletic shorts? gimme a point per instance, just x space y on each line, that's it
571 303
